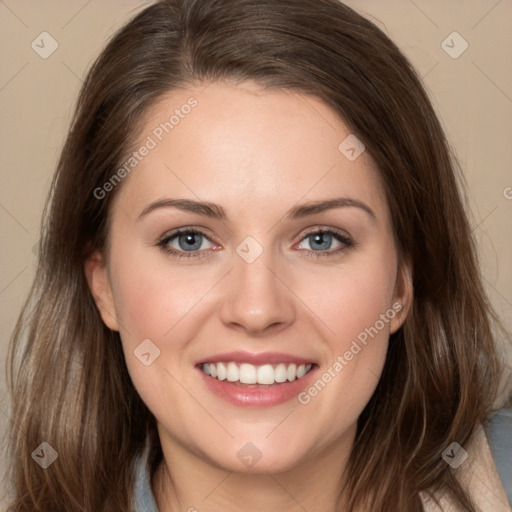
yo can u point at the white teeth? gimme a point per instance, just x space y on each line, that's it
301 371
221 371
280 373
250 374
292 372
232 373
266 374
247 374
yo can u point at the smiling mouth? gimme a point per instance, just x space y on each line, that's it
250 375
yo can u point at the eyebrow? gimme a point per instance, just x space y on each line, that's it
216 211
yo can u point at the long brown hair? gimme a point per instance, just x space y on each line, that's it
67 374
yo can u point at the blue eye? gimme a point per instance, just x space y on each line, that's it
321 241
190 243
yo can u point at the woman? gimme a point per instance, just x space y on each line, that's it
256 278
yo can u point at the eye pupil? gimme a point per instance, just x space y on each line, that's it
320 238
190 243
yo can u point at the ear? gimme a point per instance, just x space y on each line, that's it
402 296
99 283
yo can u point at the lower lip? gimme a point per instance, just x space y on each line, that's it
260 396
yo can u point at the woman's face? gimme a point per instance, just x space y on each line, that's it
255 297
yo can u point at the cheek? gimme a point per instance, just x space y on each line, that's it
152 298
155 304
158 303
355 304
351 299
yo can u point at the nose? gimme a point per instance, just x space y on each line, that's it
257 299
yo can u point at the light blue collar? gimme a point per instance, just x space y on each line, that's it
143 495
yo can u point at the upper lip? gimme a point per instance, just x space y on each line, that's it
255 359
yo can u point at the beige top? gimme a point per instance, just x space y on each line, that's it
479 474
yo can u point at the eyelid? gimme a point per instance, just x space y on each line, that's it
323 229
185 230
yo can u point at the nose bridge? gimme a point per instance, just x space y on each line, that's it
255 297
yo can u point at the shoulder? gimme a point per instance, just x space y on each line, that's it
478 474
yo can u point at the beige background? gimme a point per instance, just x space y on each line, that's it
472 94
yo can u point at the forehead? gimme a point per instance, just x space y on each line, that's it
240 144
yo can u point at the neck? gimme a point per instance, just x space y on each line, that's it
187 482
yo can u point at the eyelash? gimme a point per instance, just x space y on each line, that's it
338 235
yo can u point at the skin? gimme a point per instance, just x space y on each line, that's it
257 153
